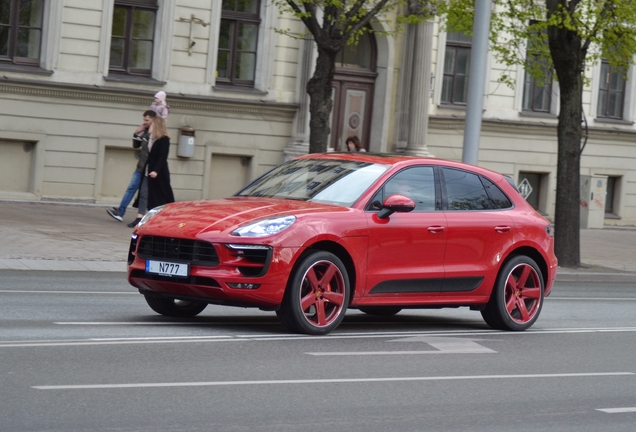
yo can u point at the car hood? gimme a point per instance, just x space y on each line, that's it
200 218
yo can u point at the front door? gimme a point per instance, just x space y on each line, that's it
353 86
407 250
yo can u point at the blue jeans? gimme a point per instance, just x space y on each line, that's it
133 187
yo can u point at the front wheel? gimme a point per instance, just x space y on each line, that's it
517 298
317 295
175 308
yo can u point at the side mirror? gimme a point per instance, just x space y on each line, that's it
396 203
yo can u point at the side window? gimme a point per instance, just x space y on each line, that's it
417 183
498 199
464 190
238 39
132 38
21 31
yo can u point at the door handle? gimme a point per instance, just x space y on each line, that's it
436 229
502 229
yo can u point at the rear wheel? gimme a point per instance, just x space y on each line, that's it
381 310
517 298
317 295
175 308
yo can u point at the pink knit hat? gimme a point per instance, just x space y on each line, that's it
161 95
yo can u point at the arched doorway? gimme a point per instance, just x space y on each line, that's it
353 86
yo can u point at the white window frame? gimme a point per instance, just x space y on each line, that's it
629 111
265 47
162 50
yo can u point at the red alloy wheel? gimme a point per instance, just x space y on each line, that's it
317 294
322 294
523 293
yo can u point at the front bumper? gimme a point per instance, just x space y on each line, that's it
225 283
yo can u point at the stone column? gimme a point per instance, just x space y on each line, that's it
420 88
299 142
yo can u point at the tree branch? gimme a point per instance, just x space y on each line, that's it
365 19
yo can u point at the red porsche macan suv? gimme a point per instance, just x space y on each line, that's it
327 232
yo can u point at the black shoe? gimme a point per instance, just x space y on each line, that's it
136 138
134 223
114 213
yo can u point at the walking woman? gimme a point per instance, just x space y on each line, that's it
159 189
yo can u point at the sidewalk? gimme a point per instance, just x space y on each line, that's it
82 237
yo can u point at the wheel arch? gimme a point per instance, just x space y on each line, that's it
339 251
535 255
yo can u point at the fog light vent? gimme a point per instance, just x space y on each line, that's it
249 286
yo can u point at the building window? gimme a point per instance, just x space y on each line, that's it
21 31
456 67
132 37
537 93
238 38
611 92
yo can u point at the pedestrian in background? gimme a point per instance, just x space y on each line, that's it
160 108
136 181
354 144
159 188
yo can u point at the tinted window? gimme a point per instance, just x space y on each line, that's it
465 191
498 199
417 183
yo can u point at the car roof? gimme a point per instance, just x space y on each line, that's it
399 159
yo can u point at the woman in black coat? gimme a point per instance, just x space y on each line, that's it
159 189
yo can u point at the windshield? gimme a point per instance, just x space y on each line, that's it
336 182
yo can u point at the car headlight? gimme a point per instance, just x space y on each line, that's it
152 213
265 227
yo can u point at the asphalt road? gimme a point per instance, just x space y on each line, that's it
83 352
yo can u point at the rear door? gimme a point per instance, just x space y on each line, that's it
479 230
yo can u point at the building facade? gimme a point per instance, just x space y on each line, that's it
78 74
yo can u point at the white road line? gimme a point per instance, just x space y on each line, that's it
68 292
292 337
116 342
617 410
593 298
326 381
375 353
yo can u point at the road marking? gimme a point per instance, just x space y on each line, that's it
293 337
327 381
617 410
67 292
444 345
132 341
593 298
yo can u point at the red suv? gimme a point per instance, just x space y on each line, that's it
327 232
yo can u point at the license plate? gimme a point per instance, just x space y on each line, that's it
167 268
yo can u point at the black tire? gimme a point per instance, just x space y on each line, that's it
317 295
175 308
517 297
385 311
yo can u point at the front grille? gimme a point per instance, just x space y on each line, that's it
167 248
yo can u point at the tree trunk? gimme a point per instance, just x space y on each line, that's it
569 58
319 89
